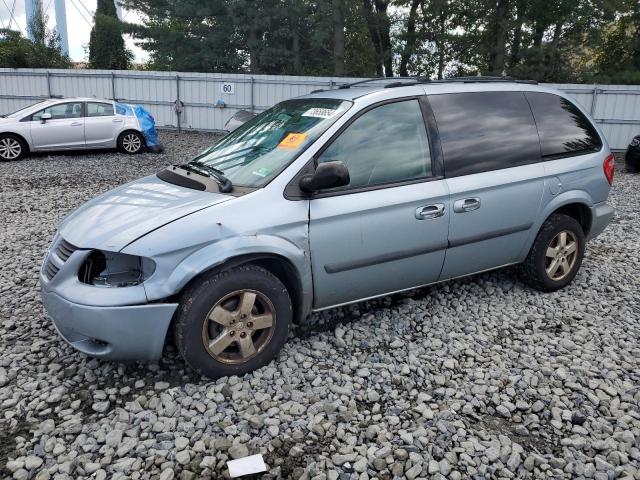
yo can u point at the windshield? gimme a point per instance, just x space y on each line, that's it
260 149
17 112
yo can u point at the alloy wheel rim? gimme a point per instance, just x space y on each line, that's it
239 326
561 255
10 148
131 143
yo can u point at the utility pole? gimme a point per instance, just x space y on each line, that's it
30 9
61 25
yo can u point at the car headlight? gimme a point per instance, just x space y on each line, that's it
112 269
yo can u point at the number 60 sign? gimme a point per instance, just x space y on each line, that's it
227 88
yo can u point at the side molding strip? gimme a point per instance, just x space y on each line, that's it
390 257
489 235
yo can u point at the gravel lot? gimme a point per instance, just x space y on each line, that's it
477 378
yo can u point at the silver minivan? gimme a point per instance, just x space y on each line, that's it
324 200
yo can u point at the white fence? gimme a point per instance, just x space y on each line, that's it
616 108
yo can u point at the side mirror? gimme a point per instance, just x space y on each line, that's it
327 175
44 117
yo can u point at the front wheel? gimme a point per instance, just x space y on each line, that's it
556 255
130 142
233 322
12 147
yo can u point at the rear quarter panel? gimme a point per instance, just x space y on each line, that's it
578 179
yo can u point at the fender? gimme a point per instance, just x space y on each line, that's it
564 198
218 253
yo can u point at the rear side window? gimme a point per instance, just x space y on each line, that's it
99 110
483 131
562 127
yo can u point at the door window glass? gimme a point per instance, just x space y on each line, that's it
386 144
483 131
99 110
562 127
61 110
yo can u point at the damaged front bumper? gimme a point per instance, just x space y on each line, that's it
135 332
110 323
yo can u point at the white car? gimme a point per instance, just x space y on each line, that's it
69 124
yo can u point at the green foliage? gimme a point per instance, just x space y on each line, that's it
19 52
559 41
106 45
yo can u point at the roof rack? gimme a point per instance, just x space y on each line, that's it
406 81
376 79
482 79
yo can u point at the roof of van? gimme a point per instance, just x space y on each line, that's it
407 86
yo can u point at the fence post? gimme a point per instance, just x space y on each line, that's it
178 102
252 95
594 98
113 86
49 83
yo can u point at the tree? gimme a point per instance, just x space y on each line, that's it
561 41
377 19
617 54
106 45
19 52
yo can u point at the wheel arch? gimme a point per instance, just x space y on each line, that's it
574 203
21 137
275 264
127 130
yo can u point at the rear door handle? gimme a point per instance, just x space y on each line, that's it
117 120
466 205
76 124
430 211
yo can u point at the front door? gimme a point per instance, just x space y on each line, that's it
65 128
387 230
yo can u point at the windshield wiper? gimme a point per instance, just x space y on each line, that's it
225 184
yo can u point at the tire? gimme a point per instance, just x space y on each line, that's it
546 272
220 296
130 142
12 147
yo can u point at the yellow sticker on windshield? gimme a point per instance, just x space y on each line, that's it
293 140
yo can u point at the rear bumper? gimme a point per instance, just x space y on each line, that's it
601 215
117 333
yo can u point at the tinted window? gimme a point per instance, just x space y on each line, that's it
61 110
99 110
562 127
386 144
484 131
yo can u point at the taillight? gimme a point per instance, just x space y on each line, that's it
609 167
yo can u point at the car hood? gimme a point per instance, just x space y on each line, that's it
124 214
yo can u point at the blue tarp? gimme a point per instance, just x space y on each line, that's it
145 119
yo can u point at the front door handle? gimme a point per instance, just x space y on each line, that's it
430 211
466 205
76 124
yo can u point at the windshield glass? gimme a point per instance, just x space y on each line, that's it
18 112
260 149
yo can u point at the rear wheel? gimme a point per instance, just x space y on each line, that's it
130 142
556 255
233 322
12 147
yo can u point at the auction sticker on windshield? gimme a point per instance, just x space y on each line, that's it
293 140
319 112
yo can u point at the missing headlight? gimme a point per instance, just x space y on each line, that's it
111 269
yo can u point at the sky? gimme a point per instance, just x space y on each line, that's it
79 22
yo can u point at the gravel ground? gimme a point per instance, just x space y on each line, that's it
476 378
